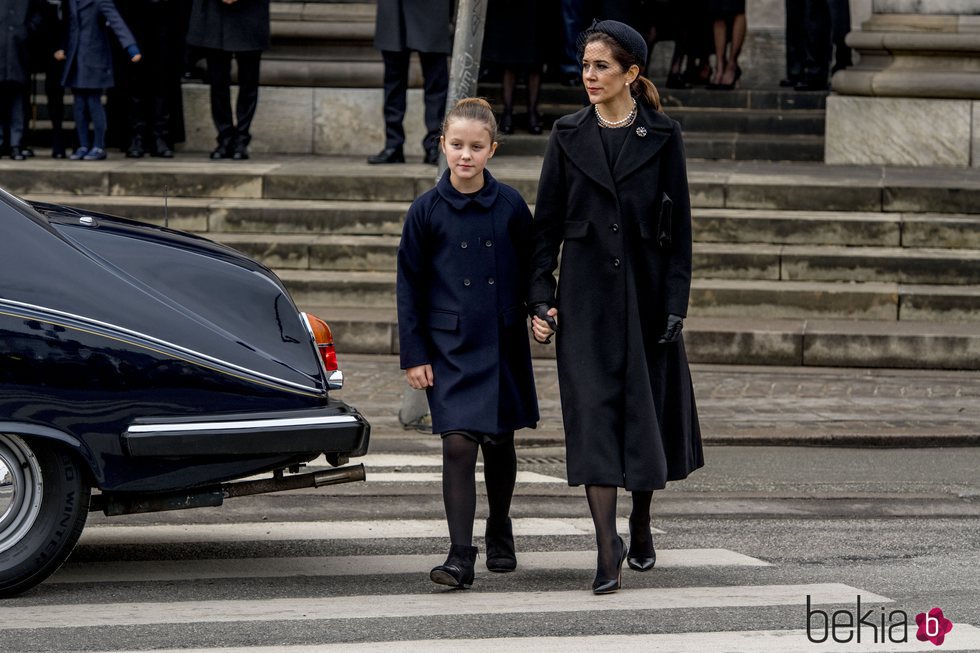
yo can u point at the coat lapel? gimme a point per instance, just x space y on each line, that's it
648 133
582 145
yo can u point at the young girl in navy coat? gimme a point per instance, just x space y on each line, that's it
462 267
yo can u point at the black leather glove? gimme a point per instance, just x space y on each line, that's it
673 331
541 310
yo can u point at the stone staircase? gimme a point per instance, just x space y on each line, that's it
886 273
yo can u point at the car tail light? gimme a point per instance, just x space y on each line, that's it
323 338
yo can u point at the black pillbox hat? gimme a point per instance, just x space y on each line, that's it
626 36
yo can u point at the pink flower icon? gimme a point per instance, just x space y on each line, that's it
932 626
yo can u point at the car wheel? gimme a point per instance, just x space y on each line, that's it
44 501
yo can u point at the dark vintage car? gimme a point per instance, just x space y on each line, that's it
155 366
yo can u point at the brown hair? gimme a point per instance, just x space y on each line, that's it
472 108
641 88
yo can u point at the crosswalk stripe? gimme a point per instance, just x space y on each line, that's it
193 570
963 637
322 530
437 603
436 477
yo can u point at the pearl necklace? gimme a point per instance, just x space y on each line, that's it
612 124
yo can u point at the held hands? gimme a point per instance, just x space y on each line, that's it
544 322
419 377
673 331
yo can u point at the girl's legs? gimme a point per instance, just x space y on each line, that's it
97 111
81 117
602 504
459 486
500 472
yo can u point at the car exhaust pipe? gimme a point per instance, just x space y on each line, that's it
124 503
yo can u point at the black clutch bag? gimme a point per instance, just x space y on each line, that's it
663 222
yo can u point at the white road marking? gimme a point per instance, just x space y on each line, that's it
193 570
320 530
436 477
436 603
963 637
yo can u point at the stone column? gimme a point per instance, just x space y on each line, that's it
914 97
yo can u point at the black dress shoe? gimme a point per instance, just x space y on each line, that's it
609 585
57 154
162 149
388 155
17 153
220 153
457 570
431 155
27 152
641 557
790 82
240 154
501 557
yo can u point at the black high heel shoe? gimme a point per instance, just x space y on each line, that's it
641 558
609 585
534 122
457 570
506 125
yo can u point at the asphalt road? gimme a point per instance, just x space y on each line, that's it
744 541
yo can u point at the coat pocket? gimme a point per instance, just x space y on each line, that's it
443 320
578 229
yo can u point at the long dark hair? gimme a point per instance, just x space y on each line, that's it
641 88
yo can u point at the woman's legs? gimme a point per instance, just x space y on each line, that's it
731 72
533 91
508 84
641 554
720 31
602 505
459 486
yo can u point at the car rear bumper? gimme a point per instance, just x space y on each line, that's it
332 428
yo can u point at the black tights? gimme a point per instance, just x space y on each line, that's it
459 482
602 505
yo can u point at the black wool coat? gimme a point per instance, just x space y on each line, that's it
20 20
406 25
462 278
242 26
627 402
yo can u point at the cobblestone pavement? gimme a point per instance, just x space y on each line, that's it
748 405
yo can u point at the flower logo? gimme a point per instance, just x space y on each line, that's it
933 626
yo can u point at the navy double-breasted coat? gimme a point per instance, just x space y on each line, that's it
462 278
627 402
88 55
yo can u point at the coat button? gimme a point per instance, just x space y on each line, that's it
489 243
466 282
615 228
464 244
491 281
616 262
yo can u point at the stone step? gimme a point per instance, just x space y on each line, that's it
340 217
761 299
711 260
737 341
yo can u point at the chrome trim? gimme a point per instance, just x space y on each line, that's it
336 380
164 343
241 424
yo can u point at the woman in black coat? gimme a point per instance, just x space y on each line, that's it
614 189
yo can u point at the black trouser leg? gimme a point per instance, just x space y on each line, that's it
395 89
249 64
459 486
817 42
219 70
795 39
56 104
840 25
435 76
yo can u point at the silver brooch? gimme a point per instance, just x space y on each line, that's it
641 131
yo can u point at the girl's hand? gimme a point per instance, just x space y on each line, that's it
419 377
59 55
136 58
542 332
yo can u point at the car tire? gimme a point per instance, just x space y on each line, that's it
44 501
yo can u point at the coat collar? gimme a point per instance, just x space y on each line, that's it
580 139
456 199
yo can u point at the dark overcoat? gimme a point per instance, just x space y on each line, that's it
19 21
462 266
242 26
405 25
88 55
627 402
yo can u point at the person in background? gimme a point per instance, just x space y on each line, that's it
88 68
827 24
729 29
576 16
229 29
20 20
796 26
511 42
403 26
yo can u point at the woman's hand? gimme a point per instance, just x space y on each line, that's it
419 377
59 55
542 330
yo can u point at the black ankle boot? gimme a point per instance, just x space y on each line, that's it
500 546
457 570
604 585
642 556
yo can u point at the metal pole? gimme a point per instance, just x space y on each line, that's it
464 71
